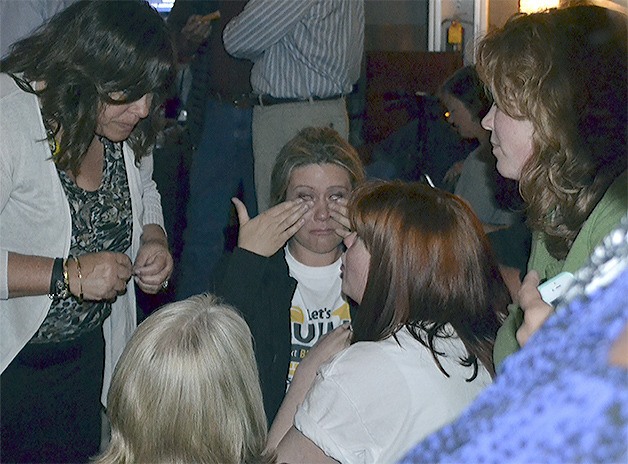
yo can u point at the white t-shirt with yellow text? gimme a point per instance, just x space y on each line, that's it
318 306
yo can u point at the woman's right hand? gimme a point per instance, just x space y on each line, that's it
326 347
196 29
266 233
535 310
104 275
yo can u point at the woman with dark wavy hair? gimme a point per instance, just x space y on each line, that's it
430 297
79 216
559 127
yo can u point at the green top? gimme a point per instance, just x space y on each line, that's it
603 219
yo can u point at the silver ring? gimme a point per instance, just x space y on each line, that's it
164 284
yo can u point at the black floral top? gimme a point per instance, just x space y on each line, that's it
101 221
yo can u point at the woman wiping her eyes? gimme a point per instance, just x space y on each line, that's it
284 275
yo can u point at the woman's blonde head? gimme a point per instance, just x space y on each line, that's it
186 389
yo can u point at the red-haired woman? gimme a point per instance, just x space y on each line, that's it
430 301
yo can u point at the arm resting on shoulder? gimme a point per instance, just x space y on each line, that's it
297 448
329 345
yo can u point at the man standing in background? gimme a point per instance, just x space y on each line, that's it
306 57
219 113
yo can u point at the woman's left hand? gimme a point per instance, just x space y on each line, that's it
339 212
153 264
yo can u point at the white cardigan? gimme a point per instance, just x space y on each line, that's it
35 220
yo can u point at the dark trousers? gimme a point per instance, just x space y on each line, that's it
221 165
50 402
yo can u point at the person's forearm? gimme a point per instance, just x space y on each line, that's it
329 345
31 275
28 275
154 233
299 387
185 48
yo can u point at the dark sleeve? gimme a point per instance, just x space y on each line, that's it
262 289
240 281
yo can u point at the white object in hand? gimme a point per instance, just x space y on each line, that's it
555 287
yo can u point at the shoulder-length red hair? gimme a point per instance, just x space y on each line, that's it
431 265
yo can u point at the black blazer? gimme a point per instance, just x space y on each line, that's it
262 290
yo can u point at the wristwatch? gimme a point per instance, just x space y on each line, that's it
59 280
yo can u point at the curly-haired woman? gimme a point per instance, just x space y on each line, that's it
558 125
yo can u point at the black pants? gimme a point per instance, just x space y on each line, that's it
50 402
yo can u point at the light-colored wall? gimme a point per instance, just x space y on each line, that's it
500 10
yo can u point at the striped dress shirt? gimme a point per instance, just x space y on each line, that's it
300 48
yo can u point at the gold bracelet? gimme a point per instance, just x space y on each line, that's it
80 278
65 293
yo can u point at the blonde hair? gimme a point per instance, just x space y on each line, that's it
565 71
313 145
186 389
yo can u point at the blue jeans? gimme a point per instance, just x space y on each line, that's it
222 166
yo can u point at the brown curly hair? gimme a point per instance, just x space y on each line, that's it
565 71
